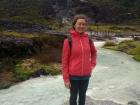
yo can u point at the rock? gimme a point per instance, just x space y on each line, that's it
5 85
39 72
18 47
132 103
136 38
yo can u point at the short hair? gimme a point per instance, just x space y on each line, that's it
76 17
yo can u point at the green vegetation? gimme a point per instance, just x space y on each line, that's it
28 11
27 67
117 11
109 43
48 57
137 57
128 46
6 80
114 28
17 70
13 70
42 11
17 34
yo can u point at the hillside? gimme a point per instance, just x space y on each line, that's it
45 12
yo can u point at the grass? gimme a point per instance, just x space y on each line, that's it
7 78
17 34
137 57
51 48
49 59
38 35
27 67
114 28
22 69
34 19
128 46
109 43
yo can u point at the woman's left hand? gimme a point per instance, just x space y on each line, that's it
67 85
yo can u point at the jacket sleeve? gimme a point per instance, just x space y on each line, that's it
65 60
93 55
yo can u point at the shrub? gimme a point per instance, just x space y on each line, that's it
26 68
137 57
109 43
22 73
126 41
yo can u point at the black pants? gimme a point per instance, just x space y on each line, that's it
78 87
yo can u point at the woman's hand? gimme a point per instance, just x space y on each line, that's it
92 67
67 85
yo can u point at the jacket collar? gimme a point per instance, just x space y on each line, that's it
75 33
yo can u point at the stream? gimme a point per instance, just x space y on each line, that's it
115 81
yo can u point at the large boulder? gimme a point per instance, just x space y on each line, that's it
38 73
17 47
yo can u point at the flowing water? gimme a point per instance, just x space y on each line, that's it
116 78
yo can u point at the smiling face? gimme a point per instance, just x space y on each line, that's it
80 25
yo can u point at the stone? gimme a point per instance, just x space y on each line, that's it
39 72
132 103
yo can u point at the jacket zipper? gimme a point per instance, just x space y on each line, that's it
82 56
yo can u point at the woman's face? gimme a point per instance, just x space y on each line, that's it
80 25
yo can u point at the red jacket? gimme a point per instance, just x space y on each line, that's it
78 61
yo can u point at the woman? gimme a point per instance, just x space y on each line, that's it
78 61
